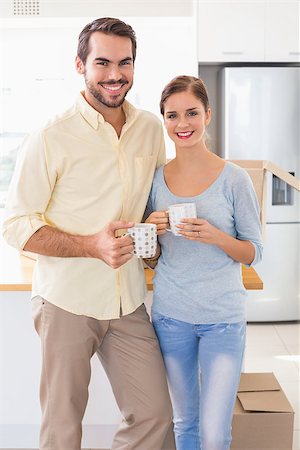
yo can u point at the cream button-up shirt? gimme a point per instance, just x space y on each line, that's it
77 175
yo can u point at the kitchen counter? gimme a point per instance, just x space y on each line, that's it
251 279
16 272
20 350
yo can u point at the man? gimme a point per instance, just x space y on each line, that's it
78 182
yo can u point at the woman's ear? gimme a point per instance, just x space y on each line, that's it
207 116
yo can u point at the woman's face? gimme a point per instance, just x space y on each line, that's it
185 119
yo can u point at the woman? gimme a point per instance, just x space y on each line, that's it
198 310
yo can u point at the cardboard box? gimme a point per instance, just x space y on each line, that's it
257 170
263 417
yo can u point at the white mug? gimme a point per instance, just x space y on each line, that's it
144 238
179 211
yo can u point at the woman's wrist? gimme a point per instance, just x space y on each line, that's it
156 256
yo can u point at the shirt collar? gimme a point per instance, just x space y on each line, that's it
93 117
130 112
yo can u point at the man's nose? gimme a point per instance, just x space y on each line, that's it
115 72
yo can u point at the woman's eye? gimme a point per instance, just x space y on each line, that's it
193 113
171 116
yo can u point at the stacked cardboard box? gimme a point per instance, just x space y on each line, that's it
263 417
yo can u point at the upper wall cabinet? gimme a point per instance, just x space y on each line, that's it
282 36
230 31
248 31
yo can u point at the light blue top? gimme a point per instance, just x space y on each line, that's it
196 282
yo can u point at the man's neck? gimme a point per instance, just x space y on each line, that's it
114 116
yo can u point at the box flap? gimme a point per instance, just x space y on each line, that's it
254 382
252 165
256 170
265 401
283 175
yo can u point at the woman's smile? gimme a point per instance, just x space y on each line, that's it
184 134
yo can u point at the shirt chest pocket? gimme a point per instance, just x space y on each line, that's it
144 167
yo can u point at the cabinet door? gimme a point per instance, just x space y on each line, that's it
282 37
230 31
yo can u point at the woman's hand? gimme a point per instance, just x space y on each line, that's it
200 230
160 219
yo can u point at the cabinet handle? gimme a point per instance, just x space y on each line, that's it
294 53
224 52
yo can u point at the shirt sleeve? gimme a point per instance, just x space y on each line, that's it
161 161
161 158
29 192
247 214
149 207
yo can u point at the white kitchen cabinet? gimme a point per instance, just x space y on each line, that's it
230 31
248 31
282 32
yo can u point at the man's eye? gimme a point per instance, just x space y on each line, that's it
102 63
125 63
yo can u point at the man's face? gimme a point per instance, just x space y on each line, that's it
108 70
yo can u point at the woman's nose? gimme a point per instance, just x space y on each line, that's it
182 122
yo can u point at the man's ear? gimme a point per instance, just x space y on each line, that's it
79 65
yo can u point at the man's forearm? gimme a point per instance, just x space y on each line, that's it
51 241
104 245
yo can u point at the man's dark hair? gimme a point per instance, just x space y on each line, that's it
106 25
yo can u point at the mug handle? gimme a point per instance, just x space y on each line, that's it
127 234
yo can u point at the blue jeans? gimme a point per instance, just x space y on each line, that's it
203 405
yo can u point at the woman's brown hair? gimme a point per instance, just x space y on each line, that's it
185 83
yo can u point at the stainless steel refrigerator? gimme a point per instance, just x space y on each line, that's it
261 120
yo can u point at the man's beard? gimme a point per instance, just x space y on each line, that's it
113 103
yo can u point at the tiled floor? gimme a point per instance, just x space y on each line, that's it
274 348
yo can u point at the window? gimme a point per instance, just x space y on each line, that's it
37 80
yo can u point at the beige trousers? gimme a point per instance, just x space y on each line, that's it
129 352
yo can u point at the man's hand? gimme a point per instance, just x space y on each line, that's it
114 251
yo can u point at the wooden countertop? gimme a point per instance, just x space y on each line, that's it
251 279
16 272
